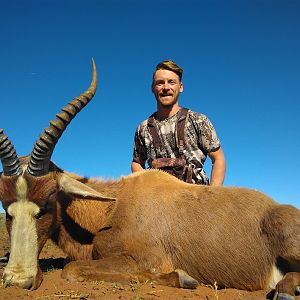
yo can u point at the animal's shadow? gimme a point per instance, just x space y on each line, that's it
46 264
49 264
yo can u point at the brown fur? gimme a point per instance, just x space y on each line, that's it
7 188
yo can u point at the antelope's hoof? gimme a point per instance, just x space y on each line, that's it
186 281
283 296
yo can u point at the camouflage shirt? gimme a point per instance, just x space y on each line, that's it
200 138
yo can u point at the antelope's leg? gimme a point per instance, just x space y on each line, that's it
287 288
124 270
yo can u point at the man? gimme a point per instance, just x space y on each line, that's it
200 139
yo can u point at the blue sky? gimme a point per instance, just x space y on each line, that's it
241 69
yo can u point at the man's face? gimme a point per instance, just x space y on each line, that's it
166 87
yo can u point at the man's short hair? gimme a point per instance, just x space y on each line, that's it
171 66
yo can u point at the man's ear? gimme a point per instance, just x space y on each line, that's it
75 188
152 87
181 87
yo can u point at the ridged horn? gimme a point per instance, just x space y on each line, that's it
42 151
9 159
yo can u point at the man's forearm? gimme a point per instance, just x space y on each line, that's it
136 167
218 173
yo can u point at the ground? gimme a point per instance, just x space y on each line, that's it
54 287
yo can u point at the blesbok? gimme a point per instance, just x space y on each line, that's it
147 225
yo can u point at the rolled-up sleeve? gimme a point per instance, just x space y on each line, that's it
139 149
209 138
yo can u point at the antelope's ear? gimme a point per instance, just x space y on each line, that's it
75 188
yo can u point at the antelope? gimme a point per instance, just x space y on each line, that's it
147 225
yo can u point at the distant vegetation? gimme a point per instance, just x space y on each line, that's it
2 219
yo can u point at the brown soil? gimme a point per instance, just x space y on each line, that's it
54 287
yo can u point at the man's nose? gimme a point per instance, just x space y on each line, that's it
166 86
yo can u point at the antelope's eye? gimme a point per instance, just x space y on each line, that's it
40 213
8 216
43 211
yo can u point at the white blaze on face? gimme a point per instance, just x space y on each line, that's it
22 266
